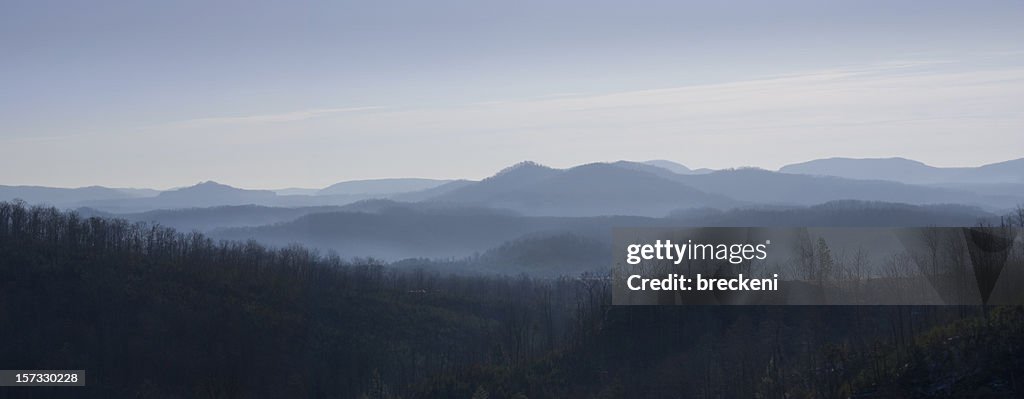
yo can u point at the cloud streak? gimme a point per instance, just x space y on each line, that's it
283 117
945 114
936 111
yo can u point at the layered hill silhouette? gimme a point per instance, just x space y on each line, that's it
380 186
210 193
205 219
213 194
628 188
404 231
69 196
393 230
910 171
767 187
205 194
587 190
676 167
653 188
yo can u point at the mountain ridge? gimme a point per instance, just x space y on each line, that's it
604 188
584 190
909 171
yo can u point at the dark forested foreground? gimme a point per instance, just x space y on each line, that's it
149 312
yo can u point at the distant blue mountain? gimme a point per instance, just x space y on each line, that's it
629 188
677 167
210 193
586 190
380 186
653 188
61 196
909 171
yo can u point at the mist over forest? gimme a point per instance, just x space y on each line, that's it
511 200
418 288
395 219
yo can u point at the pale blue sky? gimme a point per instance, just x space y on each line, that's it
273 94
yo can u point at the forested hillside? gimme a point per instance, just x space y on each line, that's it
151 312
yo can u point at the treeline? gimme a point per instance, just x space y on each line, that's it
151 312
772 352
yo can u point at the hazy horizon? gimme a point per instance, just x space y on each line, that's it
476 178
127 95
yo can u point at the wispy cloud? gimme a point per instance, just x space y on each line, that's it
941 111
945 114
40 139
281 117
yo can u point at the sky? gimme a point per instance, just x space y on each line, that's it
272 94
